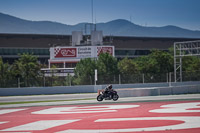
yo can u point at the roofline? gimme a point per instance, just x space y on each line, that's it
31 34
151 37
154 37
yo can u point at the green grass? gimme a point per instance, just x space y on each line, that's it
7 103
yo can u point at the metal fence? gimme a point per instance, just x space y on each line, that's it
42 81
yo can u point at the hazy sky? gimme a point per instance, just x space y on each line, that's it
182 13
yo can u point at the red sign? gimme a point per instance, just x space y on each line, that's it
65 52
104 50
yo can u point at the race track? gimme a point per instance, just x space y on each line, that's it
177 116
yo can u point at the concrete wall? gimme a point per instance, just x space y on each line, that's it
45 90
175 90
124 90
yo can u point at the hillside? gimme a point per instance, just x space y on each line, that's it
120 27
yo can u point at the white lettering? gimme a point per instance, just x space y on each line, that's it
178 108
40 125
5 111
188 123
85 109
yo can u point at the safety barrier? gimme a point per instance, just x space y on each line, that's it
124 90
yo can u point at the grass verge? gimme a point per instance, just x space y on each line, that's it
8 103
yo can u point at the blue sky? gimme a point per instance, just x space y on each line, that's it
182 13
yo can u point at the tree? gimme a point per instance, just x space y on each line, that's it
146 64
191 68
107 69
158 62
5 74
127 66
128 71
155 66
107 64
27 68
191 63
84 72
163 61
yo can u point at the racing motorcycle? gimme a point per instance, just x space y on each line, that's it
107 96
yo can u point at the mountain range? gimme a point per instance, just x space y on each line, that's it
119 27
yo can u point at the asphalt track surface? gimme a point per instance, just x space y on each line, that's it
154 114
47 97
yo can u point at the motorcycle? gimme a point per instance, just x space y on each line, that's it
107 96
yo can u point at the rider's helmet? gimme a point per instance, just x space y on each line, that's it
109 86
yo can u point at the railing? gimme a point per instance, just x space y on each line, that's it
42 81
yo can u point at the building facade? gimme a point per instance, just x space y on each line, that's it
12 45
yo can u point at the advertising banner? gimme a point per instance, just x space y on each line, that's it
105 50
79 52
85 52
65 52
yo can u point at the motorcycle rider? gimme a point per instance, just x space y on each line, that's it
109 91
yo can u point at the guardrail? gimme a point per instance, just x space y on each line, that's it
161 89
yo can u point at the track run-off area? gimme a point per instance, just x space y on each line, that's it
171 116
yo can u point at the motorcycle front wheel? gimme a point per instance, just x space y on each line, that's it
100 97
115 97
